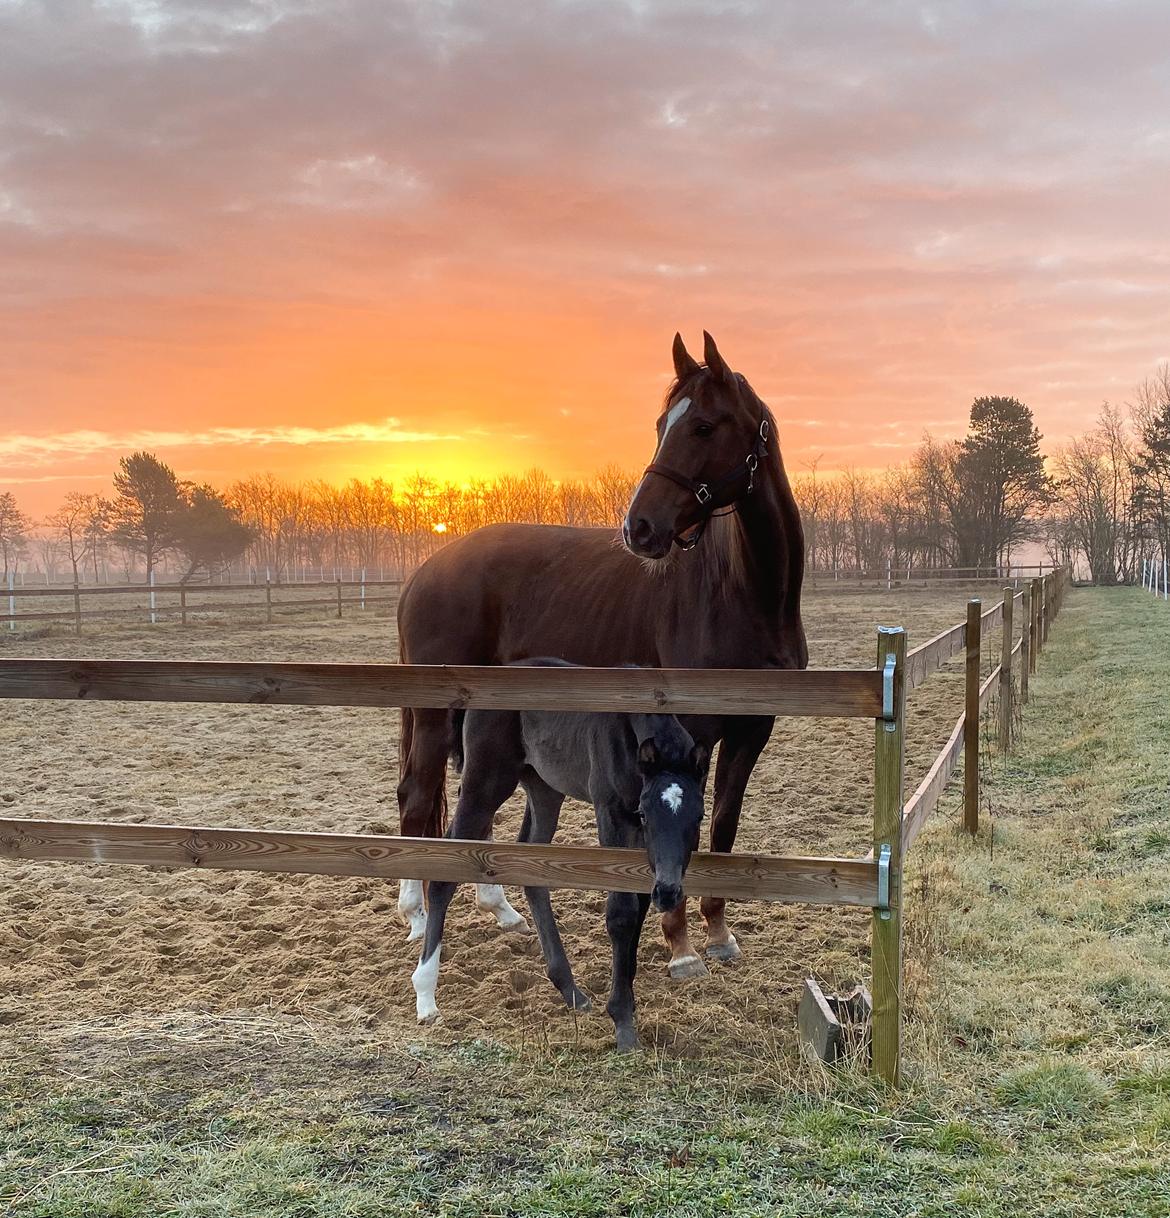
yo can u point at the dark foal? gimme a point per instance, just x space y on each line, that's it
644 776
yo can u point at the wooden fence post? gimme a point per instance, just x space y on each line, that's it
76 607
339 596
268 598
886 954
971 720
1005 674
1033 624
183 605
1046 616
1025 641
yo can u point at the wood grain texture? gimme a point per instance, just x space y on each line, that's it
989 690
925 799
886 938
933 654
741 877
812 692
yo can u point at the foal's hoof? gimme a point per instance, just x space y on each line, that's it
418 927
578 1001
515 926
429 1019
724 951
685 967
627 1040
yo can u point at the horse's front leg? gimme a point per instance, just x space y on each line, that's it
743 742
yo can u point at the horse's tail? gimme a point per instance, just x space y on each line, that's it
437 824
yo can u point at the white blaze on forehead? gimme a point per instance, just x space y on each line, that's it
673 415
672 797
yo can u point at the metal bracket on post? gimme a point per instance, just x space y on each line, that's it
883 878
888 691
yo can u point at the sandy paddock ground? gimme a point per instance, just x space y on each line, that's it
84 945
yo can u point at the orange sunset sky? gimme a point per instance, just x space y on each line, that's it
369 237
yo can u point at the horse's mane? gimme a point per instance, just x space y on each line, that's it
724 550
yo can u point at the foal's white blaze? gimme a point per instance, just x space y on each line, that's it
425 978
491 899
672 797
410 908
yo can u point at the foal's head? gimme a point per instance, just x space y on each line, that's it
671 810
713 434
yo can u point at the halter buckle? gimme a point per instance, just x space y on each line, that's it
702 493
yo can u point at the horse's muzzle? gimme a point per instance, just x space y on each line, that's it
642 539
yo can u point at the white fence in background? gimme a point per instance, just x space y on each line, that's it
1156 576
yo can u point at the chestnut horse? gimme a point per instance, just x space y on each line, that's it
709 576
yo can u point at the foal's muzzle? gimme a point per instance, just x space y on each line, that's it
666 897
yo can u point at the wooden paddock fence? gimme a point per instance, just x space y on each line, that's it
878 694
181 602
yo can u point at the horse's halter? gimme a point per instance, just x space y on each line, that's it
705 492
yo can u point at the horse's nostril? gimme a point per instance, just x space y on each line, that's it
642 530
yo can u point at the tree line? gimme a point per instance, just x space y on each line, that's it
1102 499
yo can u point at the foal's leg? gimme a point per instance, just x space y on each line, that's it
540 825
420 796
625 913
741 748
479 800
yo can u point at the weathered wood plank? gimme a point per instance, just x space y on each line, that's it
933 654
741 877
812 692
989 690
925 799
992 617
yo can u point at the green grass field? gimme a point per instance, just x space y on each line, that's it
1038 984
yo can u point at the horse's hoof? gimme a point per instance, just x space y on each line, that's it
516 926
418 927
686 967
429 1019
724 951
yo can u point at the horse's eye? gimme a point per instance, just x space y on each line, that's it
703 429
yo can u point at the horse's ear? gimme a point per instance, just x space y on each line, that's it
700 759
684 364
648 760
714 360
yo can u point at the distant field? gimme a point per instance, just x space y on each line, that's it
193 1043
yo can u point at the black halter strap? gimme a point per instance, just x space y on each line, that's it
706 492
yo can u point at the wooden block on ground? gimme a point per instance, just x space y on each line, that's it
834 1028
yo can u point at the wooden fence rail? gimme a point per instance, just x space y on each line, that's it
879 693
160 601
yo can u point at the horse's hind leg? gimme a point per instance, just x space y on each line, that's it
480 798
420 798
540 825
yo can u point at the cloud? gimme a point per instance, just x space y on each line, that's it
40 450
474 212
